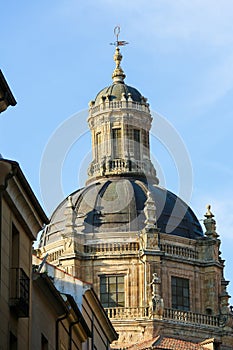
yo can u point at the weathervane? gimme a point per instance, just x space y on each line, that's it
117 43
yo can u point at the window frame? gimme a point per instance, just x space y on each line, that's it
117 141
98 143
137 143
114 293
180 293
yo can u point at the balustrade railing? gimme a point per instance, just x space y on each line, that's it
191 317
121 165
127 312
118 104
179 251
111 247
177 316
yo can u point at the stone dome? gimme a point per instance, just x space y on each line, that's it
117 91
118 199
117 205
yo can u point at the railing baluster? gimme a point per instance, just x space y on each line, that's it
179 316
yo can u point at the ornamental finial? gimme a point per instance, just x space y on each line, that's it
208 214
118 74
210 223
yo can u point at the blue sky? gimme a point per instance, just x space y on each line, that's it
56 56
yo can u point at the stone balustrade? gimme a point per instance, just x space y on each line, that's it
109 105
190 317
176 316
123 165
123 313
112 248
185 252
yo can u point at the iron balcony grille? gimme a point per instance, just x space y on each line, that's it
19 292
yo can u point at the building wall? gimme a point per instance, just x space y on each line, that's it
21 217
99 339
43 320
93 313
18 326
51 321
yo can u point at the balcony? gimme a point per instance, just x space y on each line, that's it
19 292
112 248
121 166
174 316
109 105
180 316
127 313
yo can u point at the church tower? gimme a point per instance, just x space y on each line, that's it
153 268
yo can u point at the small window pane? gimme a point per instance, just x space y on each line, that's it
103 288
112 288
121 287
104 298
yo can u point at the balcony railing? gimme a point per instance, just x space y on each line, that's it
112 248
191 317
176 316
19 292
185 252
119 104
130 313
121 166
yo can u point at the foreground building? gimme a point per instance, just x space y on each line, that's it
154 269
87 327
21 218
56 321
